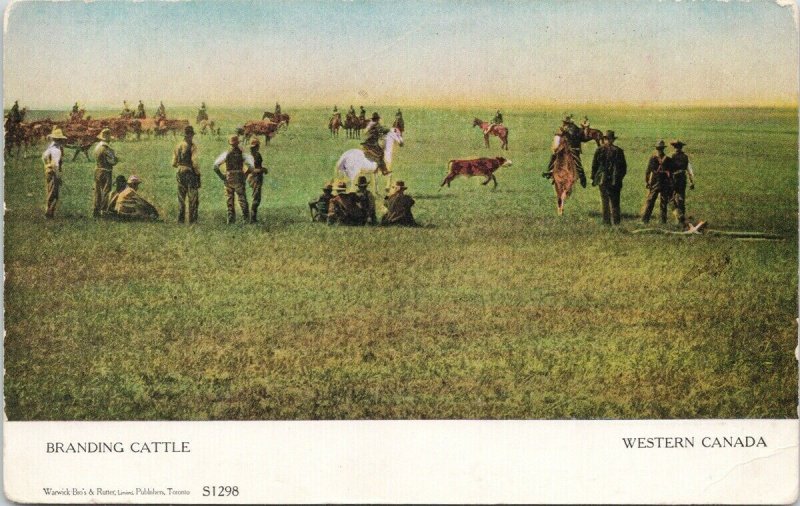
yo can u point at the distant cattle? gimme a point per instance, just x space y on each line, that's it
266 128
474 167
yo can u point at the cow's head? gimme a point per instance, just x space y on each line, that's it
503 162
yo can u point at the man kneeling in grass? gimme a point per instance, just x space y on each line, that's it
398 206
129 205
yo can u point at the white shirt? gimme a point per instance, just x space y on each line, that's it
52 157
248 160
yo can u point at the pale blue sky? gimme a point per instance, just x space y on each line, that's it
399 52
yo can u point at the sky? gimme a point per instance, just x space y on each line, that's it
404 52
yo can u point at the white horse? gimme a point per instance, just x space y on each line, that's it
354 163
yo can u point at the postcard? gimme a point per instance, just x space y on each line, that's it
400 251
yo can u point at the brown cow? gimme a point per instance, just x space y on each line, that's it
266 128
474 167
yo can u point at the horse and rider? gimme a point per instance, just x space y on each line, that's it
572 134
372 157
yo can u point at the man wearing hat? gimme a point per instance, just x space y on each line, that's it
161 113
341 205
319 207
398 206
120 183
681 171
371 145
52 158
255 177
105 161
184 158
573 136
126 111
129 205
608 170
202 113
497 120
366 202
399 122
235 162
140 114
658 180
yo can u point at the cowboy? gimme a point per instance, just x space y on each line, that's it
202 114
371 146
255 177
105 161
342 208
129 205
398 206
140 111
319 207
277 110
399 123
14 115
161 113
658 181
571 133
496 121
233 178
52 158
126 111
351 111
362 113
75 108
608 170
681 171
120 183
184 158
366 202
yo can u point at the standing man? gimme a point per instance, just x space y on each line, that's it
681 171
658 180
371 145
398 206
105 161
608 170
255 177
52 158
202 114
233 178
184 158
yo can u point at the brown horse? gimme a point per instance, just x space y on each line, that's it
564 173
334 125
354 125
498 130
590 134
280 118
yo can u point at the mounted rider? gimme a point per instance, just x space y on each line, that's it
571 133
202 114
496 121
277 111
126 113
363 113
14 115
399 123
371 146
161 113
336 115
140 114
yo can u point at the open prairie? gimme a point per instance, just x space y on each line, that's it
494 308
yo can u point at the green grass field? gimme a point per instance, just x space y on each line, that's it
496 308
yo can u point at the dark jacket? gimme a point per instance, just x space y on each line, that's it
609 166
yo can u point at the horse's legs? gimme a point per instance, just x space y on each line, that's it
488 178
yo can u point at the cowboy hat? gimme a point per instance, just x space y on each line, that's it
134 180
254 142
341 187
233 140
104 135
400 184
57 134
328 188
678 144
610 135
376 116
660 144
189 130
362 181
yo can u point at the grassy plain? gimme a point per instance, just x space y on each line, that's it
496 308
